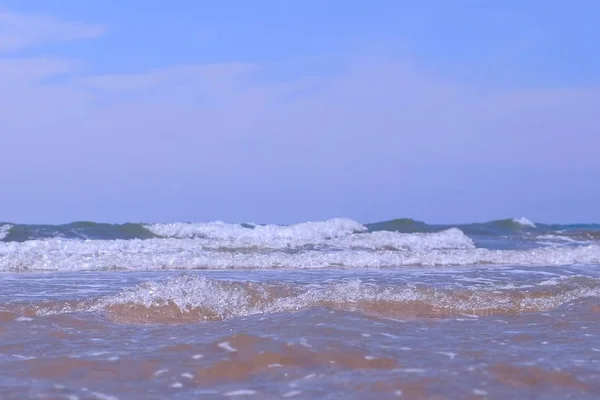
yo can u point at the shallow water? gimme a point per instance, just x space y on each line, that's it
478 332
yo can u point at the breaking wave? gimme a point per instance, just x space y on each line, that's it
308 232
524 222
335 243
190 298
304 232
4 229
159 254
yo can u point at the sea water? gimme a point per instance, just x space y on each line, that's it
329 309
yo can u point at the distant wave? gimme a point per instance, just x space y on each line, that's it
307 231
524 222
4 228
502 226
76 230
406 225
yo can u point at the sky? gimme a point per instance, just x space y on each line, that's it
286 111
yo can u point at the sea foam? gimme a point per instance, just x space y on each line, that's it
306 231
191 298
4 229
524 222
159 254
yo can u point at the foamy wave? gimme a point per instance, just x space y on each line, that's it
336 233
569 238
156 254
449 239
264 239
524 222
452 238
261 235
4 229
195 298
561 240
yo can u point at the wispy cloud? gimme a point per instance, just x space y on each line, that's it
179 78
17 71
374 106
19 31
376 126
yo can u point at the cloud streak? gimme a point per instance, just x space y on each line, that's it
19 31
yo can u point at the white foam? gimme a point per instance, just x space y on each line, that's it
561 240
227 346
241 392
336 233
448 239
292 393
4 229
450 355
20 357
224 299
412 370
103 396
260 234
159 254
524 222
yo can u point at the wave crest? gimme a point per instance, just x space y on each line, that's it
76 230
452 238
260 234
248 235
191 298
172 254
4 229
524 222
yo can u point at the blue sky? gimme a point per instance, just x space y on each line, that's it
280 111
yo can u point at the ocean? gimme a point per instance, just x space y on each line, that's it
332 309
